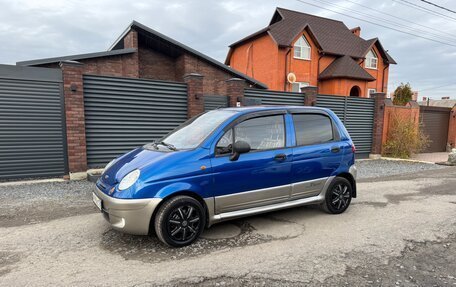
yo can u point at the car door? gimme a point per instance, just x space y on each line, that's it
317 155
259 177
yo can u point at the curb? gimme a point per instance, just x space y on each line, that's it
407 159
21 182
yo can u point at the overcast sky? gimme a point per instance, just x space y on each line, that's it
48 28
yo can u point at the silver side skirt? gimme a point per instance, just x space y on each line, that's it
215 218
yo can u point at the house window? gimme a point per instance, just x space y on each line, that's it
370 91
371 60
302 49
296 87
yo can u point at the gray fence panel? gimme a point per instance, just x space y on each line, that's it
215 102
357 114
122 114
32 126
275 97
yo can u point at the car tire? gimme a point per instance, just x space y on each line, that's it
338 196
180 221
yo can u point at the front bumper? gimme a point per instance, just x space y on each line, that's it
128 215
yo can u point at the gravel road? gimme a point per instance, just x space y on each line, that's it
400 231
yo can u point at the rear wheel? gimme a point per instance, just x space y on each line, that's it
338 196
180 221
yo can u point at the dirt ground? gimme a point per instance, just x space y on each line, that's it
400 231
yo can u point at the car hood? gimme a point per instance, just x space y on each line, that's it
136 159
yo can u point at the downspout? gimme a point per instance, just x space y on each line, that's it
361 64
383 77
286 69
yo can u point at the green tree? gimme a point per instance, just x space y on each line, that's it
403 94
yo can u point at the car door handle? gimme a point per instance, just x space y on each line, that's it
280 156
335 149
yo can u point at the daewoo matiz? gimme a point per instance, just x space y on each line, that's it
229 163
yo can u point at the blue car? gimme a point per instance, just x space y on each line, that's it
229 163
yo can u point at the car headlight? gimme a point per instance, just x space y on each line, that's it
109 165
129 179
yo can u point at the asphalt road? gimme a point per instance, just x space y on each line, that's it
400 231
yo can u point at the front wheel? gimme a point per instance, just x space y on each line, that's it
338 196
180 221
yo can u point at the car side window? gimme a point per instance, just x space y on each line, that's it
312 129
262 133
225 144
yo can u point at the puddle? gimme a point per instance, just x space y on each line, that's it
150 249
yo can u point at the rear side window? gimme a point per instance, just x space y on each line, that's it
262 133
312 129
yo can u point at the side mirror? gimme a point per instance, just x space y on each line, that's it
238 148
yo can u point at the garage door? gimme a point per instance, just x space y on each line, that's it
32 128
123 113
435 121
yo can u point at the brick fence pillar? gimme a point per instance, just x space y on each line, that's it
235 90
311 95
75 121
379 115
452 128
194 94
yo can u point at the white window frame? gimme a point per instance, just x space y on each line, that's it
369 92
371 61
302 45
300 85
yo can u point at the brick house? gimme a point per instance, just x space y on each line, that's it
312 51
141 52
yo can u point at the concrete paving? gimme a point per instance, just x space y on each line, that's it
431 157
399 231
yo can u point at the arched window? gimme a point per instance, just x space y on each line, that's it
302 49
371 60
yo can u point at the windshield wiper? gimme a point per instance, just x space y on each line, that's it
168 145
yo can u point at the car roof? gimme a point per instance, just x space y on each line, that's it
251 109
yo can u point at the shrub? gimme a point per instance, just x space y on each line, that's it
404 138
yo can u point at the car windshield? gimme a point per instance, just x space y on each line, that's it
194 131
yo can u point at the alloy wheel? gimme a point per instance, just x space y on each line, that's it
340 196
183 223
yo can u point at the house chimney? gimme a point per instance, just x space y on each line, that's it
356 31
415 96
424 99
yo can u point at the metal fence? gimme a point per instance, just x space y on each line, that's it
266 97
32 125
212 102
357 114
123 113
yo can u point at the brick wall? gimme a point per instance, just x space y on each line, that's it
452 128
157 66
195 90
115 66
215 79
378 123
411 111
74 113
